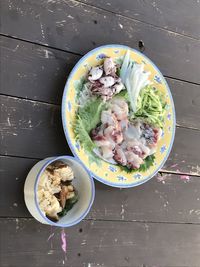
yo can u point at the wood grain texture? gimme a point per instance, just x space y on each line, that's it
39 73
100 244
33 129
181 16
160 200
185 152
156 224
33 71
187 103
76 27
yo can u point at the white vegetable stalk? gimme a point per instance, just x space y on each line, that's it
135 78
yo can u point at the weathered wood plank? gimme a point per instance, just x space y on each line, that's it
130 244
76 27
180 16
160 200
13 172
33 129
42 72
187 103
185 152
33 71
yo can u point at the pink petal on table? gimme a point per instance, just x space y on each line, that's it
185 177
174 165
162 178
64 242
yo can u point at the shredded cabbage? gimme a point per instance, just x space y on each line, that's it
85 95
134 77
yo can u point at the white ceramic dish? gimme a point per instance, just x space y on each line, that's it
83 183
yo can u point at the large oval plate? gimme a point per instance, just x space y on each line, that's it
104 172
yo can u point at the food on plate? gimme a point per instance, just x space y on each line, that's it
121 114
56 194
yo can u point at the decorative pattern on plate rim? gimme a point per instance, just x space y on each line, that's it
107 173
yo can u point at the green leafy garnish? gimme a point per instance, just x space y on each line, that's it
82 135
90 114
78 85
148 162
87 119
151 106
69 205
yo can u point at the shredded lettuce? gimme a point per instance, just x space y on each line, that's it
87 119
82 135
151 106
78 85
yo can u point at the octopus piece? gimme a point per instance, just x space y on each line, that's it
120 108
118 87
103 80
138 148
132 132
121 103
119 156
106 97
108 133
95 132
106 93
117 137
109 66
124 124
107 81
151 135
133 160
100 140
107 117
157 132
95 73
107 152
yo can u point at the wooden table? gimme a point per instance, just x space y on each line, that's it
155 224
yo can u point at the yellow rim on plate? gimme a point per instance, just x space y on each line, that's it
104 172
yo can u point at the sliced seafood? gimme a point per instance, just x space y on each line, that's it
103 80
118 138
107 81
127 143
95 73
109 66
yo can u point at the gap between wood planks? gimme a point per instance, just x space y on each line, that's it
134 19
161 172
107 220
40 44
77 54
59 106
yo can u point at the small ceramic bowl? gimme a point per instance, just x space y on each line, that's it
83 183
